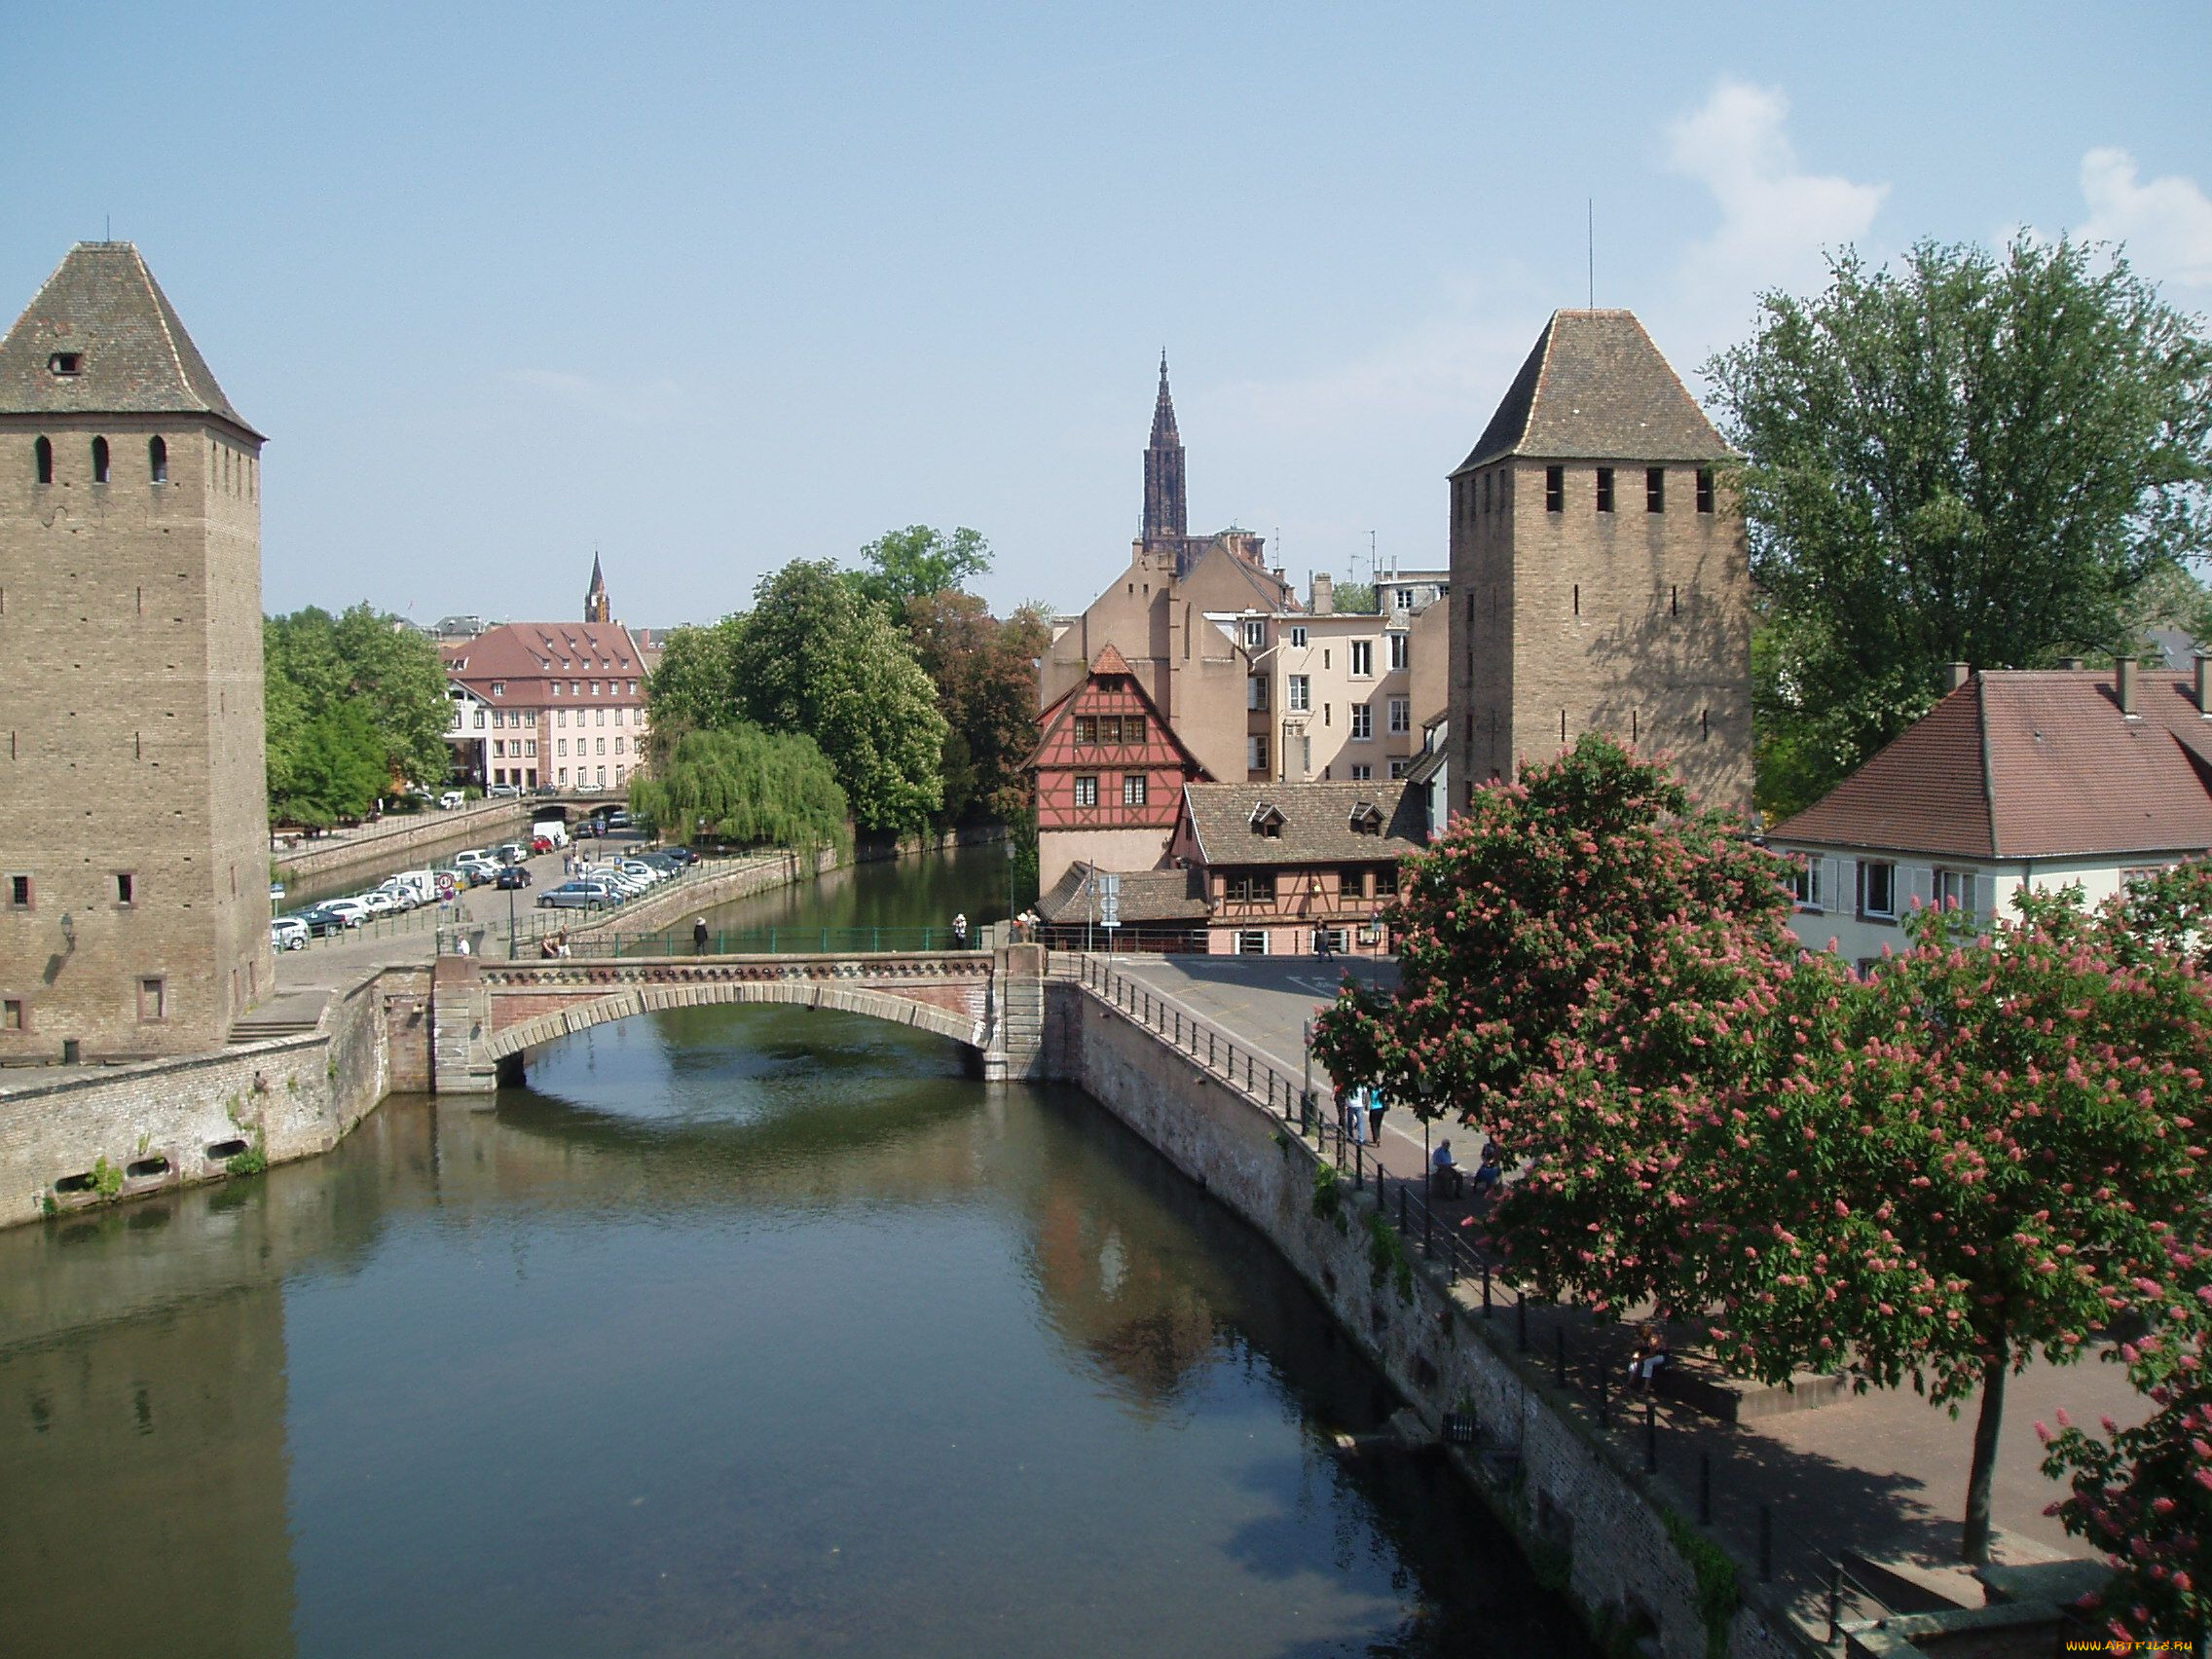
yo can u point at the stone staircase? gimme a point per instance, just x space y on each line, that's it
290 1015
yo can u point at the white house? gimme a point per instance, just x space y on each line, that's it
2017 777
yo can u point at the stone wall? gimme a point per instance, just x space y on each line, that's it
1575 1500
386 848
181 1120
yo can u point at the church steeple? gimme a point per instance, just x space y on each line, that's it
1165 514
598 607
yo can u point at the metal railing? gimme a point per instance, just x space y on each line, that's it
1582 1360
780 941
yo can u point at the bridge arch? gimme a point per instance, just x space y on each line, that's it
622 1003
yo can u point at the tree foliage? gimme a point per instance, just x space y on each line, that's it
1355 599
2143 1496
1990 459
1976 1153
918 561
816 657
354 703
742 783
985 672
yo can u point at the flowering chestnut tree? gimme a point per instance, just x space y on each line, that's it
2144 1494
1977 1152
1545 894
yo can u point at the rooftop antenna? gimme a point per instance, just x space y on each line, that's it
108 224
1590 244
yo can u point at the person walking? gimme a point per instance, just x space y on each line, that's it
699 937
960 930
1375 1107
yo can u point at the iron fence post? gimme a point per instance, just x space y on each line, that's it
1835 1602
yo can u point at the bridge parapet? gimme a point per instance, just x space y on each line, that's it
489 1013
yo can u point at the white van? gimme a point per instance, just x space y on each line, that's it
420 882
451 799
554 829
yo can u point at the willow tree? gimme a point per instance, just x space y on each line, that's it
741 784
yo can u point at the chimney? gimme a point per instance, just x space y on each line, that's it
2070 663
2203 708
1324 594
2128 668
1956 674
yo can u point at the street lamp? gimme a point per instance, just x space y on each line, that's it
510 924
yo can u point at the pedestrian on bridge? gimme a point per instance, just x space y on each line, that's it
960 930
699 937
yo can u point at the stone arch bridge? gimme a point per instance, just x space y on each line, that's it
487 1014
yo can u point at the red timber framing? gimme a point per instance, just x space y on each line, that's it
1107 759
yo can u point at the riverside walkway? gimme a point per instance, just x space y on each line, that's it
1875 1482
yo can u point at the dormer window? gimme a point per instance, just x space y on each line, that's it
66 363
1366 819
498 687
1267 821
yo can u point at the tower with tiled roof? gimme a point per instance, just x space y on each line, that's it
1600 580
1167 511
133 815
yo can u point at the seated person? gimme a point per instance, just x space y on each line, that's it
1490 1174
1650 1355
1444 1170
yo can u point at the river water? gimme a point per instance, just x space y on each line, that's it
735 1331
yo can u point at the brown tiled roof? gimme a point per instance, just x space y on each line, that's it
548 651
1110 661
1316 821
135 356
1597 389
2032 764
1147 895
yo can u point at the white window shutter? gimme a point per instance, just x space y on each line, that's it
1919 889
1847 886
1985 899
1831 895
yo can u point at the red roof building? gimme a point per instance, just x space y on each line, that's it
1110 775
2017 777
557 705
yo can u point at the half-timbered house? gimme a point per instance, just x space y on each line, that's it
1110 775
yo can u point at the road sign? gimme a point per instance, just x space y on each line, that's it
1109 900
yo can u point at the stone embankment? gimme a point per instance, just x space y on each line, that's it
386 846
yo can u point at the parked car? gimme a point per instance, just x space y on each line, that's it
681 855
586 828
451 799
402 898
542 843
320 919
377 902
480 876
510 852
352 911
288 933
513 876
576 895
503 792
642 870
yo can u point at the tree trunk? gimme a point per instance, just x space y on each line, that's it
1974 1546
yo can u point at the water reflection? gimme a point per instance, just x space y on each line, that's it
738 1329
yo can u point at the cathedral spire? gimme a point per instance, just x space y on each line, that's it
598 607
1166 516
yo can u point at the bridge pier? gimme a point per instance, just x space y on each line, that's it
460 1022
1015 1021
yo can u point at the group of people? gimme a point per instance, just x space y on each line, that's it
555 945
1360 1112
1447 1176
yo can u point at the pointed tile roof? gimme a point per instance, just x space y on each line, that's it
598 581
1163 411
1111 661
132 355
2031 763
1597 389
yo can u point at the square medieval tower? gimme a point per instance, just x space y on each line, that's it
1600 576
133 815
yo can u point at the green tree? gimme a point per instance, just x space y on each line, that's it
1355 599
742 783
819 656
985 672
693 687
917 562
1975 458
363 683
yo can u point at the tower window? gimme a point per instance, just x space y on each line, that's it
99 460
1655 488
42 453
1555 489
66 362
1486 491
1577 598
158 459
1604 489
126 888
1705 489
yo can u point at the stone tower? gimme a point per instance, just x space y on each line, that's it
1166 514
1599 578
133 815
597 607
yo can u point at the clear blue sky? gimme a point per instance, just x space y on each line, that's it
736 284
